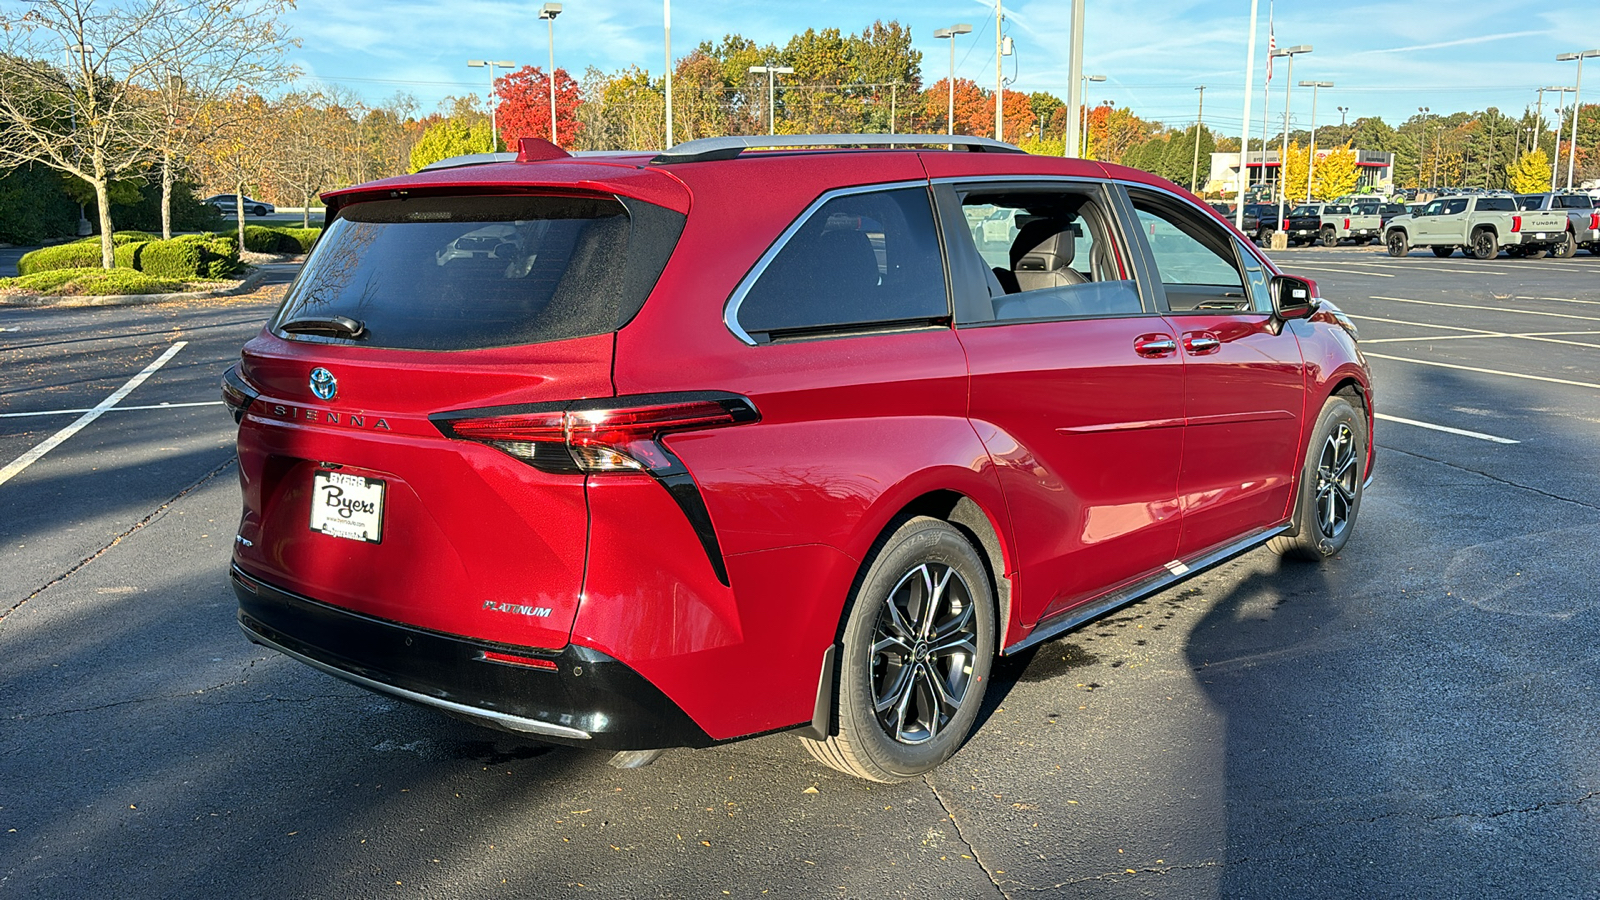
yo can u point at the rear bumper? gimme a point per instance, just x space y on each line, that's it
588 700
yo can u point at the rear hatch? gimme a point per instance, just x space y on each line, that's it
419 304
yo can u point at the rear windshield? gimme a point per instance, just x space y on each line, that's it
456 273
1338 210
1496 204
1574 201
1535 201
1300 211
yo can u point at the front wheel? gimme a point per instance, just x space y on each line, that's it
1568 248
1330 484
1398 245
1484 245
919 640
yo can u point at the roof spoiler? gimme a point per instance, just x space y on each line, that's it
529 149
715 148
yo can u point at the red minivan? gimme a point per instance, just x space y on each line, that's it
638 451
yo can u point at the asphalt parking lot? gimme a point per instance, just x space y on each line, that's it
1413 719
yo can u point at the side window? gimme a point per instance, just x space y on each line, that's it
1455 207
1047 253
858 260
1259 280
1436 208
1197 261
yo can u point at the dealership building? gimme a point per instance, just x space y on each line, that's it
1377 169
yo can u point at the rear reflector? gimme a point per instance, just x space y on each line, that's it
527 662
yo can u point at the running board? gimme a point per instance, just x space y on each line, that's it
1173 573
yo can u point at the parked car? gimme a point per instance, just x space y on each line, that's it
718 442
1330 223
1479 224
1583 219
227 204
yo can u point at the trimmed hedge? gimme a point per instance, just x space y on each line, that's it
273 239
126 256
183 260
186 258
76 282
77 255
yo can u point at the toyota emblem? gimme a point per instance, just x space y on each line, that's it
323 384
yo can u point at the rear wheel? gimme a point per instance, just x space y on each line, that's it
1442 252
1398 245
919 639
1330 484
1330 238
1568 248
1484 244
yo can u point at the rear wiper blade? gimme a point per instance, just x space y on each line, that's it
326 326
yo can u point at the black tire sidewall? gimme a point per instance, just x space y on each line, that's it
1484 241
1397 242
1335 411
917 541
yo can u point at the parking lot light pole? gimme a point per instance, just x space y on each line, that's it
1083 113
1422 144
1561 114
549 13
494 107
1283 158
772 92
949 34
1577 107
1311 155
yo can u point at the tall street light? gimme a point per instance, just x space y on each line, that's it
772 92
950 35
549 13
1311 155
1577 106
1343 111
1422 144
1283 158
1561 116
1083 113
494 107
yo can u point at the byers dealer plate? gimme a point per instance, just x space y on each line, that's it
347 506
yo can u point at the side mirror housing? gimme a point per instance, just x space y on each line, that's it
1293 298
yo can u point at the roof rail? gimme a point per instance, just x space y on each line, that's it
715 148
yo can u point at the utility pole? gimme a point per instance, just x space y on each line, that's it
1069 146
666 21
999 74
1199 117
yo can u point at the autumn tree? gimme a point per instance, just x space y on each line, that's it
973 114
1294 172
240 148
1530 174
524 106
890 69
699 104
622 111
453 137
316 139
1336 175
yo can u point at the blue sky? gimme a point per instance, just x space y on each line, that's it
1385 58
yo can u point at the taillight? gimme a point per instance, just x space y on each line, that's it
237 394
1516 223
1346 224
1594 221
613 435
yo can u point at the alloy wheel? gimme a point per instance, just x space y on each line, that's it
1336 481
922 651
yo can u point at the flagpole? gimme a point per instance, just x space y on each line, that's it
1244 144
1266 89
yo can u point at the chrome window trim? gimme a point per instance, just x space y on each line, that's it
730 310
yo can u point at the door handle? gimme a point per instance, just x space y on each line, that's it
1154 345
1201 342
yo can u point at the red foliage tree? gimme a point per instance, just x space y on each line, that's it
524 98
974 107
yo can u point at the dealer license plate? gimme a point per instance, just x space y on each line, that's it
347 506
1539 236
1304 231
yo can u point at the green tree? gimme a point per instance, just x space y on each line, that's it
1530 174
448 138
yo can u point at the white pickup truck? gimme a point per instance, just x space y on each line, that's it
1583 219
1329 223
1480 225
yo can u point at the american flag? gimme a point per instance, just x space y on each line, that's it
1272 47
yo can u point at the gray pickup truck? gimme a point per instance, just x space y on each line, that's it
1329 223
1583 219
1480 225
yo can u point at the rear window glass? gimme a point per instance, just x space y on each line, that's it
1496 204
860 259
454 273
1575 201
1533 202
1338 210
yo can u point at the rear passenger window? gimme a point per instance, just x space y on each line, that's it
859 260
1496 204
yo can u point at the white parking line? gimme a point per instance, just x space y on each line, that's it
1445 428
1549 337
1316 268
64 412
1501 309
1441 365
1560 300
16 466
1434 267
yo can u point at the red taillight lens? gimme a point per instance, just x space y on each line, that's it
1516 223
594 438
1594 221
1346 224
236 394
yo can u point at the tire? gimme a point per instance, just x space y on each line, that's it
1484 244
912 674
1330 484
258 211
1397 243
1443 252
1330 238
1568 248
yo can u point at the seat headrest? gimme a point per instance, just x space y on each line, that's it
1043 245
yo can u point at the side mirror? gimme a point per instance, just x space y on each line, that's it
1293 298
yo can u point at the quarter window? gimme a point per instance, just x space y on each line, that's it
859 260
